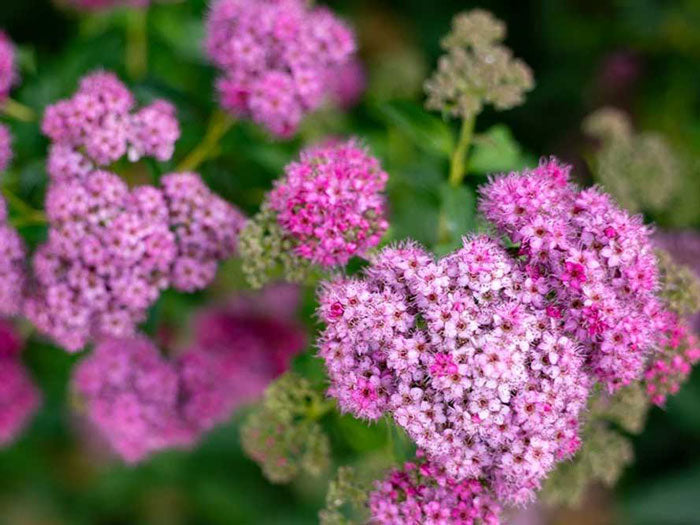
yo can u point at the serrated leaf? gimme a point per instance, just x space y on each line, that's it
425 130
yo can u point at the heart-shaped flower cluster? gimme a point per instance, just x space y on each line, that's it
459 352
99 125
592 262
276 57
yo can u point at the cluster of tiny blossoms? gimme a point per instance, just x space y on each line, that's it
8 72
237 350
591 261
142 402
329 207
477 69
463 356
680 350
99 125
19 398
421 492
276 57
131 394
12 266
112 250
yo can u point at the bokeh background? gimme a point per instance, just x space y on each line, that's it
641 56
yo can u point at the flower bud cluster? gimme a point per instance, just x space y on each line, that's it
283 435
477 69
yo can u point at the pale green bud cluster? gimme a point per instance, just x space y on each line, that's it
680 287
283 435
606 449
640 170
477 69
267 252
345 491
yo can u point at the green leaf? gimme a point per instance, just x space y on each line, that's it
425 130
496 151
458 211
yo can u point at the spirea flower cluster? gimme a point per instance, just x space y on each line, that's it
328 207
12 266
592 263
422 492
680 350
132 394
19 398
112 250
463 356
276 57
99 125
477 69
237 350
8 72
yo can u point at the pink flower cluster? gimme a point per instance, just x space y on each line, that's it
591 262
8 71
461 354
680 350
142 402
12 266
19 398
5 147
99 125
112 250
206 229
276 56
331 202
238 349
131 394
421 492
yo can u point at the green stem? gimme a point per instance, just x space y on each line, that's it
18 111
319 409
136 43
458 163
219 125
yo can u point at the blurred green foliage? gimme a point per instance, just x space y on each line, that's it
641 56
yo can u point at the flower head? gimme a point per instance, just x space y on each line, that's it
12 266
327 208
19 398
99 125
422 492
8 68
592 260
276 57
461 354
